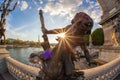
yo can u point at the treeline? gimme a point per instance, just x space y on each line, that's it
21 42
97 37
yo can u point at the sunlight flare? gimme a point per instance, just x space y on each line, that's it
62 35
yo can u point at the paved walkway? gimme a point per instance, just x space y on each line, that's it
7 76
108 56
1 78
118 77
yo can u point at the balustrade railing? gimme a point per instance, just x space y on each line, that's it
21 71
107 71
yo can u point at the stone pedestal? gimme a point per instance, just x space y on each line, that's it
108 19
3 53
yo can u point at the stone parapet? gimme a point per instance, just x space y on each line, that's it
3 53
107 71
22 71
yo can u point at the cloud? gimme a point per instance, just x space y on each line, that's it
62 7
37 3
20 28
70 7
51 0
18 2
39 8
30 7
10 32
96 16
21 32
87 1
24 5
94 11
41 1
23 35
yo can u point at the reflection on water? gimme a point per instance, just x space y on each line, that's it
22 54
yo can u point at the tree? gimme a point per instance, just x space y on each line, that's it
98 37
8 41
17 41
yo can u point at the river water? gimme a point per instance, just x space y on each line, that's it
22 54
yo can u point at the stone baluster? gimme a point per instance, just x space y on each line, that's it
107 71
21 71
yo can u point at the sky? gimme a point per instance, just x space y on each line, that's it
24 22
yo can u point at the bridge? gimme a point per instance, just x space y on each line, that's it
20 71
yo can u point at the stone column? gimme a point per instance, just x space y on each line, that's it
3 53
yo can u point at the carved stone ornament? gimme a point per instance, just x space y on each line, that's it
117 29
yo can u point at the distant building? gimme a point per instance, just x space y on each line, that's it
111 11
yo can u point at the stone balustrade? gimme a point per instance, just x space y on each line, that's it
25 72
105 72
3 53
21 71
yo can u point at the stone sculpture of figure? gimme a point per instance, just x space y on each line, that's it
5 11
117 29
80 26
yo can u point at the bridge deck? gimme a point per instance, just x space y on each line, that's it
118 77
79 65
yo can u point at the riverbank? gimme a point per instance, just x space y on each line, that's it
20 46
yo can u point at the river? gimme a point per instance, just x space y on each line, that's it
22 54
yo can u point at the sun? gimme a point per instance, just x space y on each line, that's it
62 35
